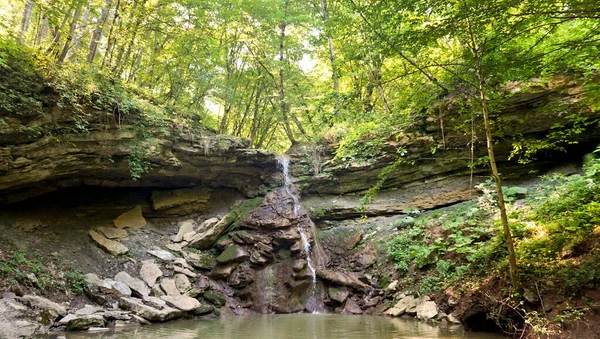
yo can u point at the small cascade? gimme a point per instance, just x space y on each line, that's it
284 162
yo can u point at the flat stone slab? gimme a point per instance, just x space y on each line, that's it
112 232
132 219
182 302
88 310
169 286
343 279
184 271
85 322
137 307
401 306
92 280
233 253
155 302
203 261
176 247
162 255
115 288
111 246
42 303
182 282
136 285
150 272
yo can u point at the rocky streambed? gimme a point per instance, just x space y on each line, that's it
252 258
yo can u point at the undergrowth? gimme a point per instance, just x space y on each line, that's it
556 230
35 272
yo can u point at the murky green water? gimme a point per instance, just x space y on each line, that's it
312 326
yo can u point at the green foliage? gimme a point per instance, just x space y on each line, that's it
31 271
138 164
240 212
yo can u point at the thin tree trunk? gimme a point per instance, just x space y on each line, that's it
282 102
82 27
97 35
512 259
110 38
26 19
58 32
255 115
63 54
334 72
382 95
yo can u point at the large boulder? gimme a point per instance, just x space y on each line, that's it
16 322
132 219
202 260
150 272
427 310
84 322
209 231
223 271
351 307
275 212
53 309
215 298
337 294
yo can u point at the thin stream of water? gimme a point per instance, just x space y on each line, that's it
284 163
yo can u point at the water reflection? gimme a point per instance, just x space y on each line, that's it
303 326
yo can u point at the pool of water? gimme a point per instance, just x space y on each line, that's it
321 326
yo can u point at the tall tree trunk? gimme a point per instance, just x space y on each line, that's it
334 71
282 62
26 19
138 20
58 32
42 32
97 35
110 39
82 27
477 50
63 54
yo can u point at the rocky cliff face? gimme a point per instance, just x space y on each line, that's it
108 156
249 258
435 170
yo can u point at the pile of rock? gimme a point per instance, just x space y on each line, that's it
107 237
161 290
422 308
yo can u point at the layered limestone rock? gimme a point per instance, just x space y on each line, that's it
185 162
434 171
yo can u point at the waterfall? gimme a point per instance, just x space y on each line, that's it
284 163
